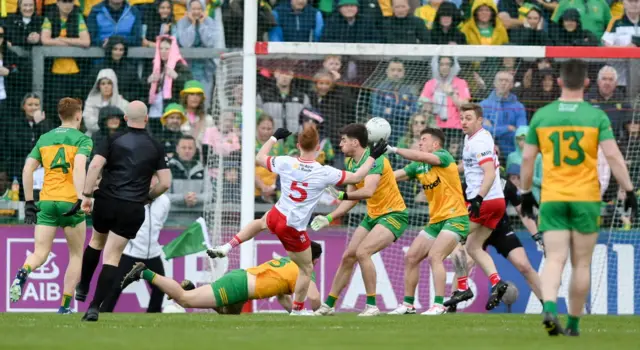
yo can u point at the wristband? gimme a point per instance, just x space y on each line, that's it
525 191
343 196
329 217
273 138
29 202
88 195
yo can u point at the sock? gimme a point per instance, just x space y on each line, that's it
494 278
462 283
409 300
550 306
27 267
235 241
66 301
438 300
105 284
90 260
331 300
298 306
541 302
573 322
148 275
371 299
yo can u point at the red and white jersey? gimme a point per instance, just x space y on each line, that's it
479 149
302 183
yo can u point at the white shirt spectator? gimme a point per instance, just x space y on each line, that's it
145 245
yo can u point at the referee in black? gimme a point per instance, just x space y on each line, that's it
128 160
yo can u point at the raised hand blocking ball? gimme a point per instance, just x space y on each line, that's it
378 129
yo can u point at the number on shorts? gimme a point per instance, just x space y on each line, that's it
60 161
299 187
575 137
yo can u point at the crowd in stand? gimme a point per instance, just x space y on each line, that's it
328 94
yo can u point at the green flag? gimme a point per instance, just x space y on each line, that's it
193 240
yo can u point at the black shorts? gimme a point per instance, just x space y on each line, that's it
503 239
123 218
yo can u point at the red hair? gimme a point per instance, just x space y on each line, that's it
308 139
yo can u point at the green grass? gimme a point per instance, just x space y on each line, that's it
205 331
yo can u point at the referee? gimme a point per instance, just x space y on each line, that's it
128 160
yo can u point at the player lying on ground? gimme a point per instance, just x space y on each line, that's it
506 243
303 181
63 153
437 171
484 192
385 222
567 133
273 278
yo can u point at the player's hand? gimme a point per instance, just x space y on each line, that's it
320 221
74 209
281 133
631 203
391 149
378 149
528 202
86 205
474 206
332 191
30 213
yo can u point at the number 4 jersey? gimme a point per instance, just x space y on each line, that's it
302 183
568 135
56 151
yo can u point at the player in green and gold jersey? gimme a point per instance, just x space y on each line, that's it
63 153
567 133
384 223
437 171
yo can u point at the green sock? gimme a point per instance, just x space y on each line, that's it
148 275
66 301
331 300
409 300
27 267
438 300
573 322
371 299
550 306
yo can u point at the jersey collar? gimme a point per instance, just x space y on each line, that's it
475 133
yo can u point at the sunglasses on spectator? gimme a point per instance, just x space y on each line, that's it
419 122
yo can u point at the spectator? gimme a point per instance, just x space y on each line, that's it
503 113
417 123
142 6
447 91
403 27
282 100
266 180
51 8
327 100
571 33
310 117
158 22
167 78
115 17
296 20
484 27
446 24
233 21
349 26
64 27
193 100
394 99
196 29
629 142
543 91
622 31
104 93
8 67
187 186
23 28
172 122
513 174
115 58
515 158
224 140
513 12
110 121
532 33
232 182
427 12
595 14
425 108
608 97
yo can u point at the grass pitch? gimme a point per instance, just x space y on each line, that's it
279 331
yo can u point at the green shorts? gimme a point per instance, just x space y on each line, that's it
50 214
583 217
231 288
458 225
396 222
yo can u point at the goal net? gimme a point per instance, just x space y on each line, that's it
415 86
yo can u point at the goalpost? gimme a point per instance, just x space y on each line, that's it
387 80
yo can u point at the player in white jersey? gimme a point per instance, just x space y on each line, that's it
302 182
486 200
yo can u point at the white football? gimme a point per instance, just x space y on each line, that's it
173 308
378 129
511 295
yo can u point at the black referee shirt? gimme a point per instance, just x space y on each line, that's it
133 157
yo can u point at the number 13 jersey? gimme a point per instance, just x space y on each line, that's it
302 183
568 135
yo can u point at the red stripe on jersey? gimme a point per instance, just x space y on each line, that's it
475 133
269 164
482 161
306 160
344 176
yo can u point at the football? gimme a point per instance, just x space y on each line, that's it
511 295
378 129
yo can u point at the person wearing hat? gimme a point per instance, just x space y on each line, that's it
445 28
533 33
595 15
174 123
192 99
110 121
571 33
311 117
348 24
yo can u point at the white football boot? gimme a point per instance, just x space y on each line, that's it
403 309
370 310
325 310
303 312
435 309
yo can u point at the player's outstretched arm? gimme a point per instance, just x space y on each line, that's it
375 152
415 155
366 192
401 175
261 157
